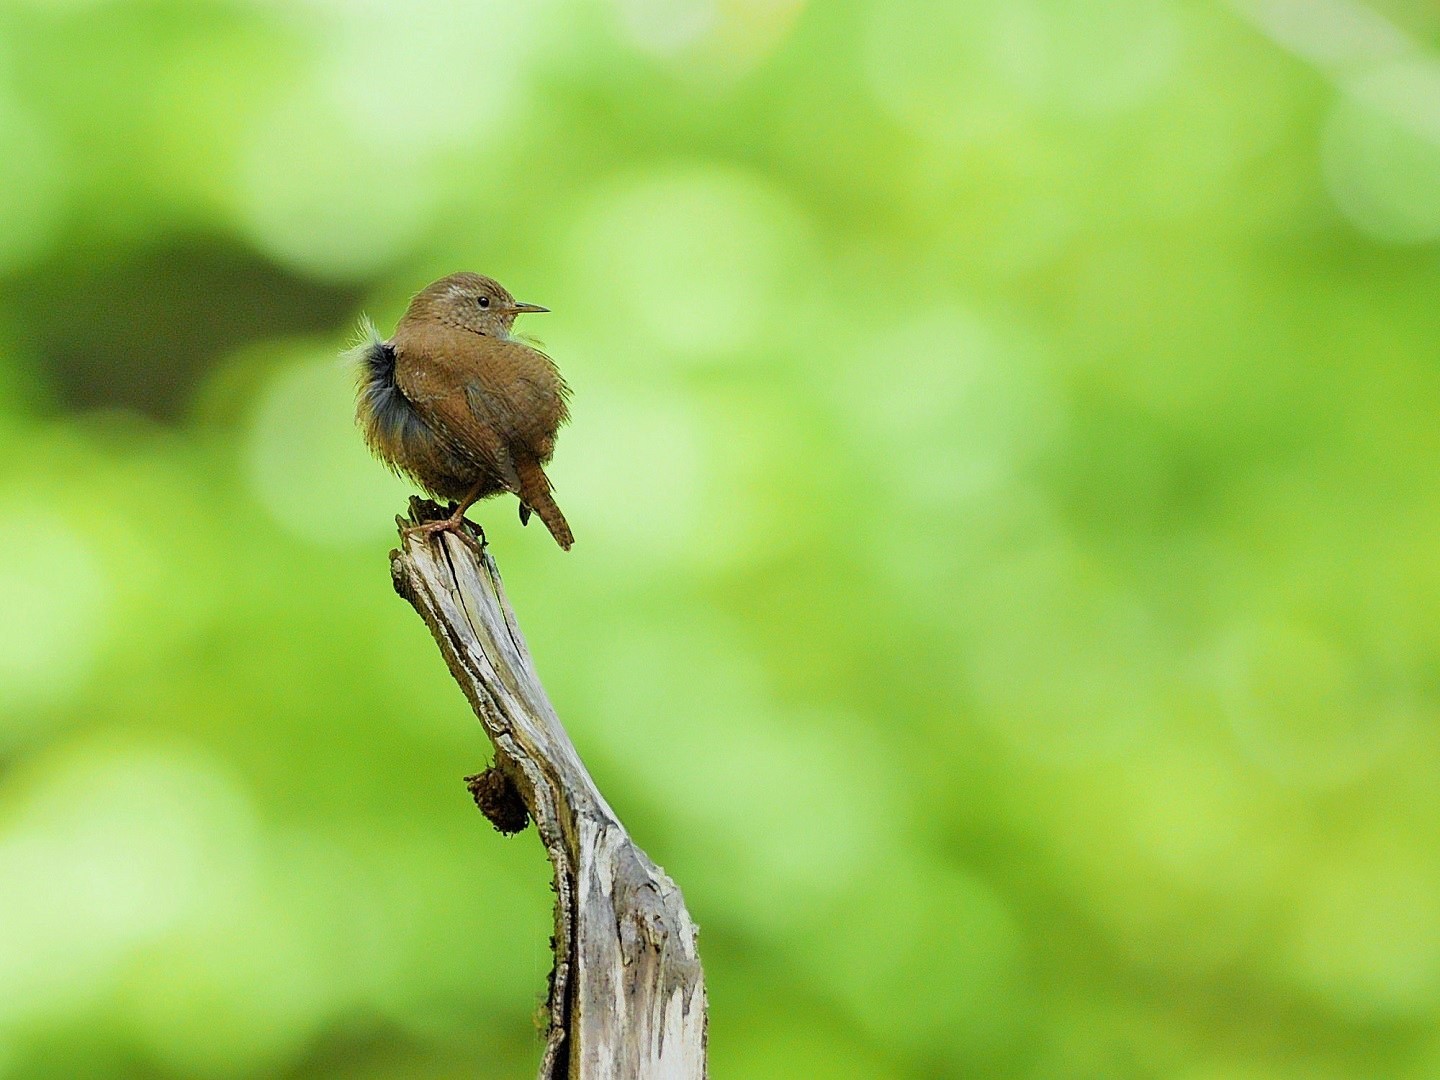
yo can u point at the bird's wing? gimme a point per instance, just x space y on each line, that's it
524 387
449 396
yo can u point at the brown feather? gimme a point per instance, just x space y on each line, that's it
486 406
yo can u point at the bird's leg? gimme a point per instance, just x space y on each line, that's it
455 523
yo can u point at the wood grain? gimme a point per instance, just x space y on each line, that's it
627 993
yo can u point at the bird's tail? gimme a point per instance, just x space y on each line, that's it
535 493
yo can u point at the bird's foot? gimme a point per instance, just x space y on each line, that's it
455 524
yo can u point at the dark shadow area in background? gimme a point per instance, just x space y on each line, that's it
137 327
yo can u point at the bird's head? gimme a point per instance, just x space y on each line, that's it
471 302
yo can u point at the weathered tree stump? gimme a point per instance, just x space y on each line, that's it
627 994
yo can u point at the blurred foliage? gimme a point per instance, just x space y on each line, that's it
1004 472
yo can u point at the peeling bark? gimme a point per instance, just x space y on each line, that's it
627 994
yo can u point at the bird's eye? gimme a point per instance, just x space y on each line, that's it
484 301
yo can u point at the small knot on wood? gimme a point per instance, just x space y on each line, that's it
499 800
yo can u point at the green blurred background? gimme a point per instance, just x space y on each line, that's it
1004 469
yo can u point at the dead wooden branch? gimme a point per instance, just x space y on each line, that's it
627 994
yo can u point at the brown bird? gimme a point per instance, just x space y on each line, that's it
459 405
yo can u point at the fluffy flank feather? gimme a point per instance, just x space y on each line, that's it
362 341
390 423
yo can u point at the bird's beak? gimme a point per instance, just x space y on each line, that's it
533 309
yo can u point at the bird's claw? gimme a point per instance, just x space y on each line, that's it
455 525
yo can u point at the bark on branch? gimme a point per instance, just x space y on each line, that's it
627 994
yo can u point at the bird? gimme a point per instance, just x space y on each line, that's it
460 405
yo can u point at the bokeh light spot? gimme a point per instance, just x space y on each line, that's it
812 812
32 184
308 465
1066 664
953 926
1305 706
977 63
54 612
321 198
102 850
1367 935
1086 56
236 995
667 26
638 482
698 259
934 82
1382 153
451 70
701 37
955 390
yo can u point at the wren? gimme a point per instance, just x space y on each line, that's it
458 404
